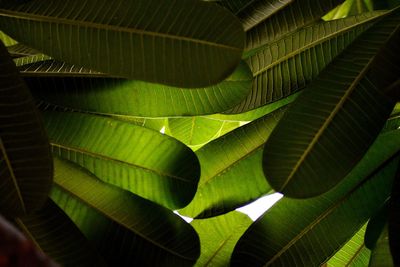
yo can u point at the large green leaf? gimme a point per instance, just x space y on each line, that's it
292 62
375 226
126 229
353 253
394 220
218 237
53 232
294 16
197 131
180 43
136 98
231 173
143 161
252 12
307 232
329 127
26 168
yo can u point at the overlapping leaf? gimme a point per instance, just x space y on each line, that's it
252 12
352 254
218 236
294 231
53 232
179 43
394 220
231 173
26 168
329 127
292 62
136 98
381 255
294 16
143 161
126 229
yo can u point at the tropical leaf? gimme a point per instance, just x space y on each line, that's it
126 229
141 99
26 168
231 173
353 253
294 231
394 221
349 8
332 123
20 50
180 43
381 255
7 40
53 232
252 12
143 161
218 237
196 131
289 64
376 225
294 16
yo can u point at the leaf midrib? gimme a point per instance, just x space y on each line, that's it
86 24
312 44
101 211
107 158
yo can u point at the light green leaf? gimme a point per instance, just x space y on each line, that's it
252 12
218 237
353 253
143 161
294 231
231 173
289 64
330 126
179 43
26 168
141 99
348 8
20 50
294 16
126 229
196 131
53 232
7 40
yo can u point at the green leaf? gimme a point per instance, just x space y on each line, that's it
381 255
179 43
7 40
20 50
375 226
394 220
218 237
196 131
136 98
53 232
330 126
252 12
143 161
26 169
231 173
294 16
289 64
353 253
294 231
349 8
126 229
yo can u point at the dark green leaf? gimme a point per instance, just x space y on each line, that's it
292 62
26 168
353 253
20 50
180 43
136 98
126 229
143 161
329 127
307 232
56 235
381 255
231 173
294 16
375 226
394 220
218 237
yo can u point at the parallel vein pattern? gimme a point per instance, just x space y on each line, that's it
179 43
